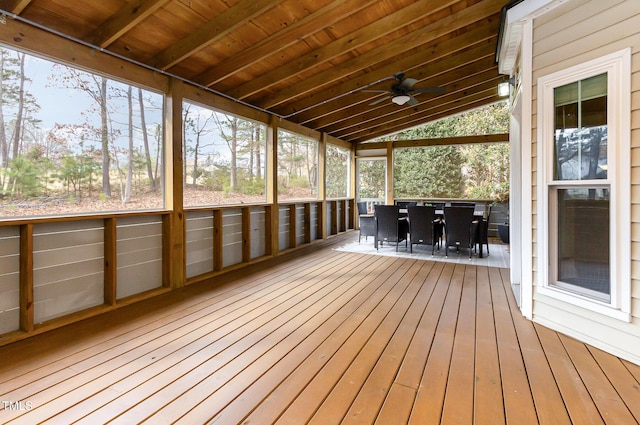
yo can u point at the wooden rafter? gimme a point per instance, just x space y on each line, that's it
127 17
14 6
469 78
434 62
417 39
288 36
338 47
213 30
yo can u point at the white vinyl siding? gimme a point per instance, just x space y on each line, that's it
574 33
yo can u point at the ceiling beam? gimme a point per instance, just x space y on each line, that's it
211 32
358 38
126 18
291 34
438 141
429 34
14 6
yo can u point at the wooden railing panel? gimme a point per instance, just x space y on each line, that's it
199 242
68 267
231 236
258 232
139 252
9 279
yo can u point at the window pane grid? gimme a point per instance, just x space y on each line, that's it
581 132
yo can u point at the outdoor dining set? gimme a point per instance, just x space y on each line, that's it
456 225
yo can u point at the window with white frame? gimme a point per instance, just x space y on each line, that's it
585 176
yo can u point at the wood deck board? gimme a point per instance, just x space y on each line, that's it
458 402
371 396
325 338
581 409
488 403
288 346
550 407
518 400
241 351
350 386
279 394
145 383
110 330
431 394
314 395
608 402
624 384
157 345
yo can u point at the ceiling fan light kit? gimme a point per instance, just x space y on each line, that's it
401 99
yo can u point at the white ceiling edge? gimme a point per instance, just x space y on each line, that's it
514 22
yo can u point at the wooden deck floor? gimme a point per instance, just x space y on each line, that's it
330 337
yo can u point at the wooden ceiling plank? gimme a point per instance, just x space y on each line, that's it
212 31
421 111
392 130
351 41
468 79
126 18
27 38
423 36
461 79
387 126
290 35
14 6
432 61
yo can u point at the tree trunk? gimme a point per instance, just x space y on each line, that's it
145 140
106 181
4 148
234 154
17 133
257 148
194 175
127 188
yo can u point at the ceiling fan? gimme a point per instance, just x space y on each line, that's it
402 91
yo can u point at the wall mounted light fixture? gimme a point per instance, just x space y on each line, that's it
504 87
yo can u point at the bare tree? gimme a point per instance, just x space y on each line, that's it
95 86
232 143
145 140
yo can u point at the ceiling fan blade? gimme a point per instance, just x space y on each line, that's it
382 99
428 90
375 91
412 101
407 83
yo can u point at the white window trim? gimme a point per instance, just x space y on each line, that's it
618 67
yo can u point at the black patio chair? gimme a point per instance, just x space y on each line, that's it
390 227
366 222
483 230
459 229
422 226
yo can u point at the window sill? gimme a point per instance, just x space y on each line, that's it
589 304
